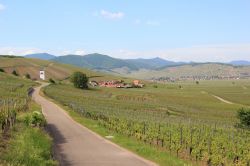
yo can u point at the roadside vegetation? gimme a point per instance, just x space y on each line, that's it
188 122
23 140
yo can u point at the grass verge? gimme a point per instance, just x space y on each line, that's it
27 145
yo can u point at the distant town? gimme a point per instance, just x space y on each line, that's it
193 78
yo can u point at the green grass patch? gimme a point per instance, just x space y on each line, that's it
27 145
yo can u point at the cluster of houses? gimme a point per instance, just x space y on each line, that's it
117 84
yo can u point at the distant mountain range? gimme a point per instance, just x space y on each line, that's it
95 61
143 68
105 62
240 63
154 63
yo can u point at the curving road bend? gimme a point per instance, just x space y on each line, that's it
78 146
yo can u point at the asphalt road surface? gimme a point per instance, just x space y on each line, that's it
78 146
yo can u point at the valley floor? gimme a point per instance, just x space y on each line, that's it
76 145
172 124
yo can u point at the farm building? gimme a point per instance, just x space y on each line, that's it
138 84
42 74
93 83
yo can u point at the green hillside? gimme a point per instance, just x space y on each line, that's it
53 69
155 68
95 61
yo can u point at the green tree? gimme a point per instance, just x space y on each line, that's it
244 117
27 75
14 72
80 80
52 81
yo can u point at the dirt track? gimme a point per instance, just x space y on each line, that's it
77 145
223 100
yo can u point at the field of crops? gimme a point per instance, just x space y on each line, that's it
188 121
13 99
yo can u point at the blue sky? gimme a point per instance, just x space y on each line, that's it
180 30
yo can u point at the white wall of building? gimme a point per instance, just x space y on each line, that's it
42 75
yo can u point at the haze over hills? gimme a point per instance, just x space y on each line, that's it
155 68
240 63
105 62
95 61
153 63
198 71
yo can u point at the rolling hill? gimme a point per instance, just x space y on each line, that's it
43 56
53 69
95 61
156 68
106 63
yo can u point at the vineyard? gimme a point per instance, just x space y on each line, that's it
186 122
14 98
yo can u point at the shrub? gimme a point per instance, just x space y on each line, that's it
35 119
52 81
27 75
80 80
14 72
244 117
2 70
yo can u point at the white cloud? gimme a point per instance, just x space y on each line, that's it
148 22
152 23
2 7
212 53
137 21
18 51
112 15
80 52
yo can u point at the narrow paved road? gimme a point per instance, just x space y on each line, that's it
77 145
